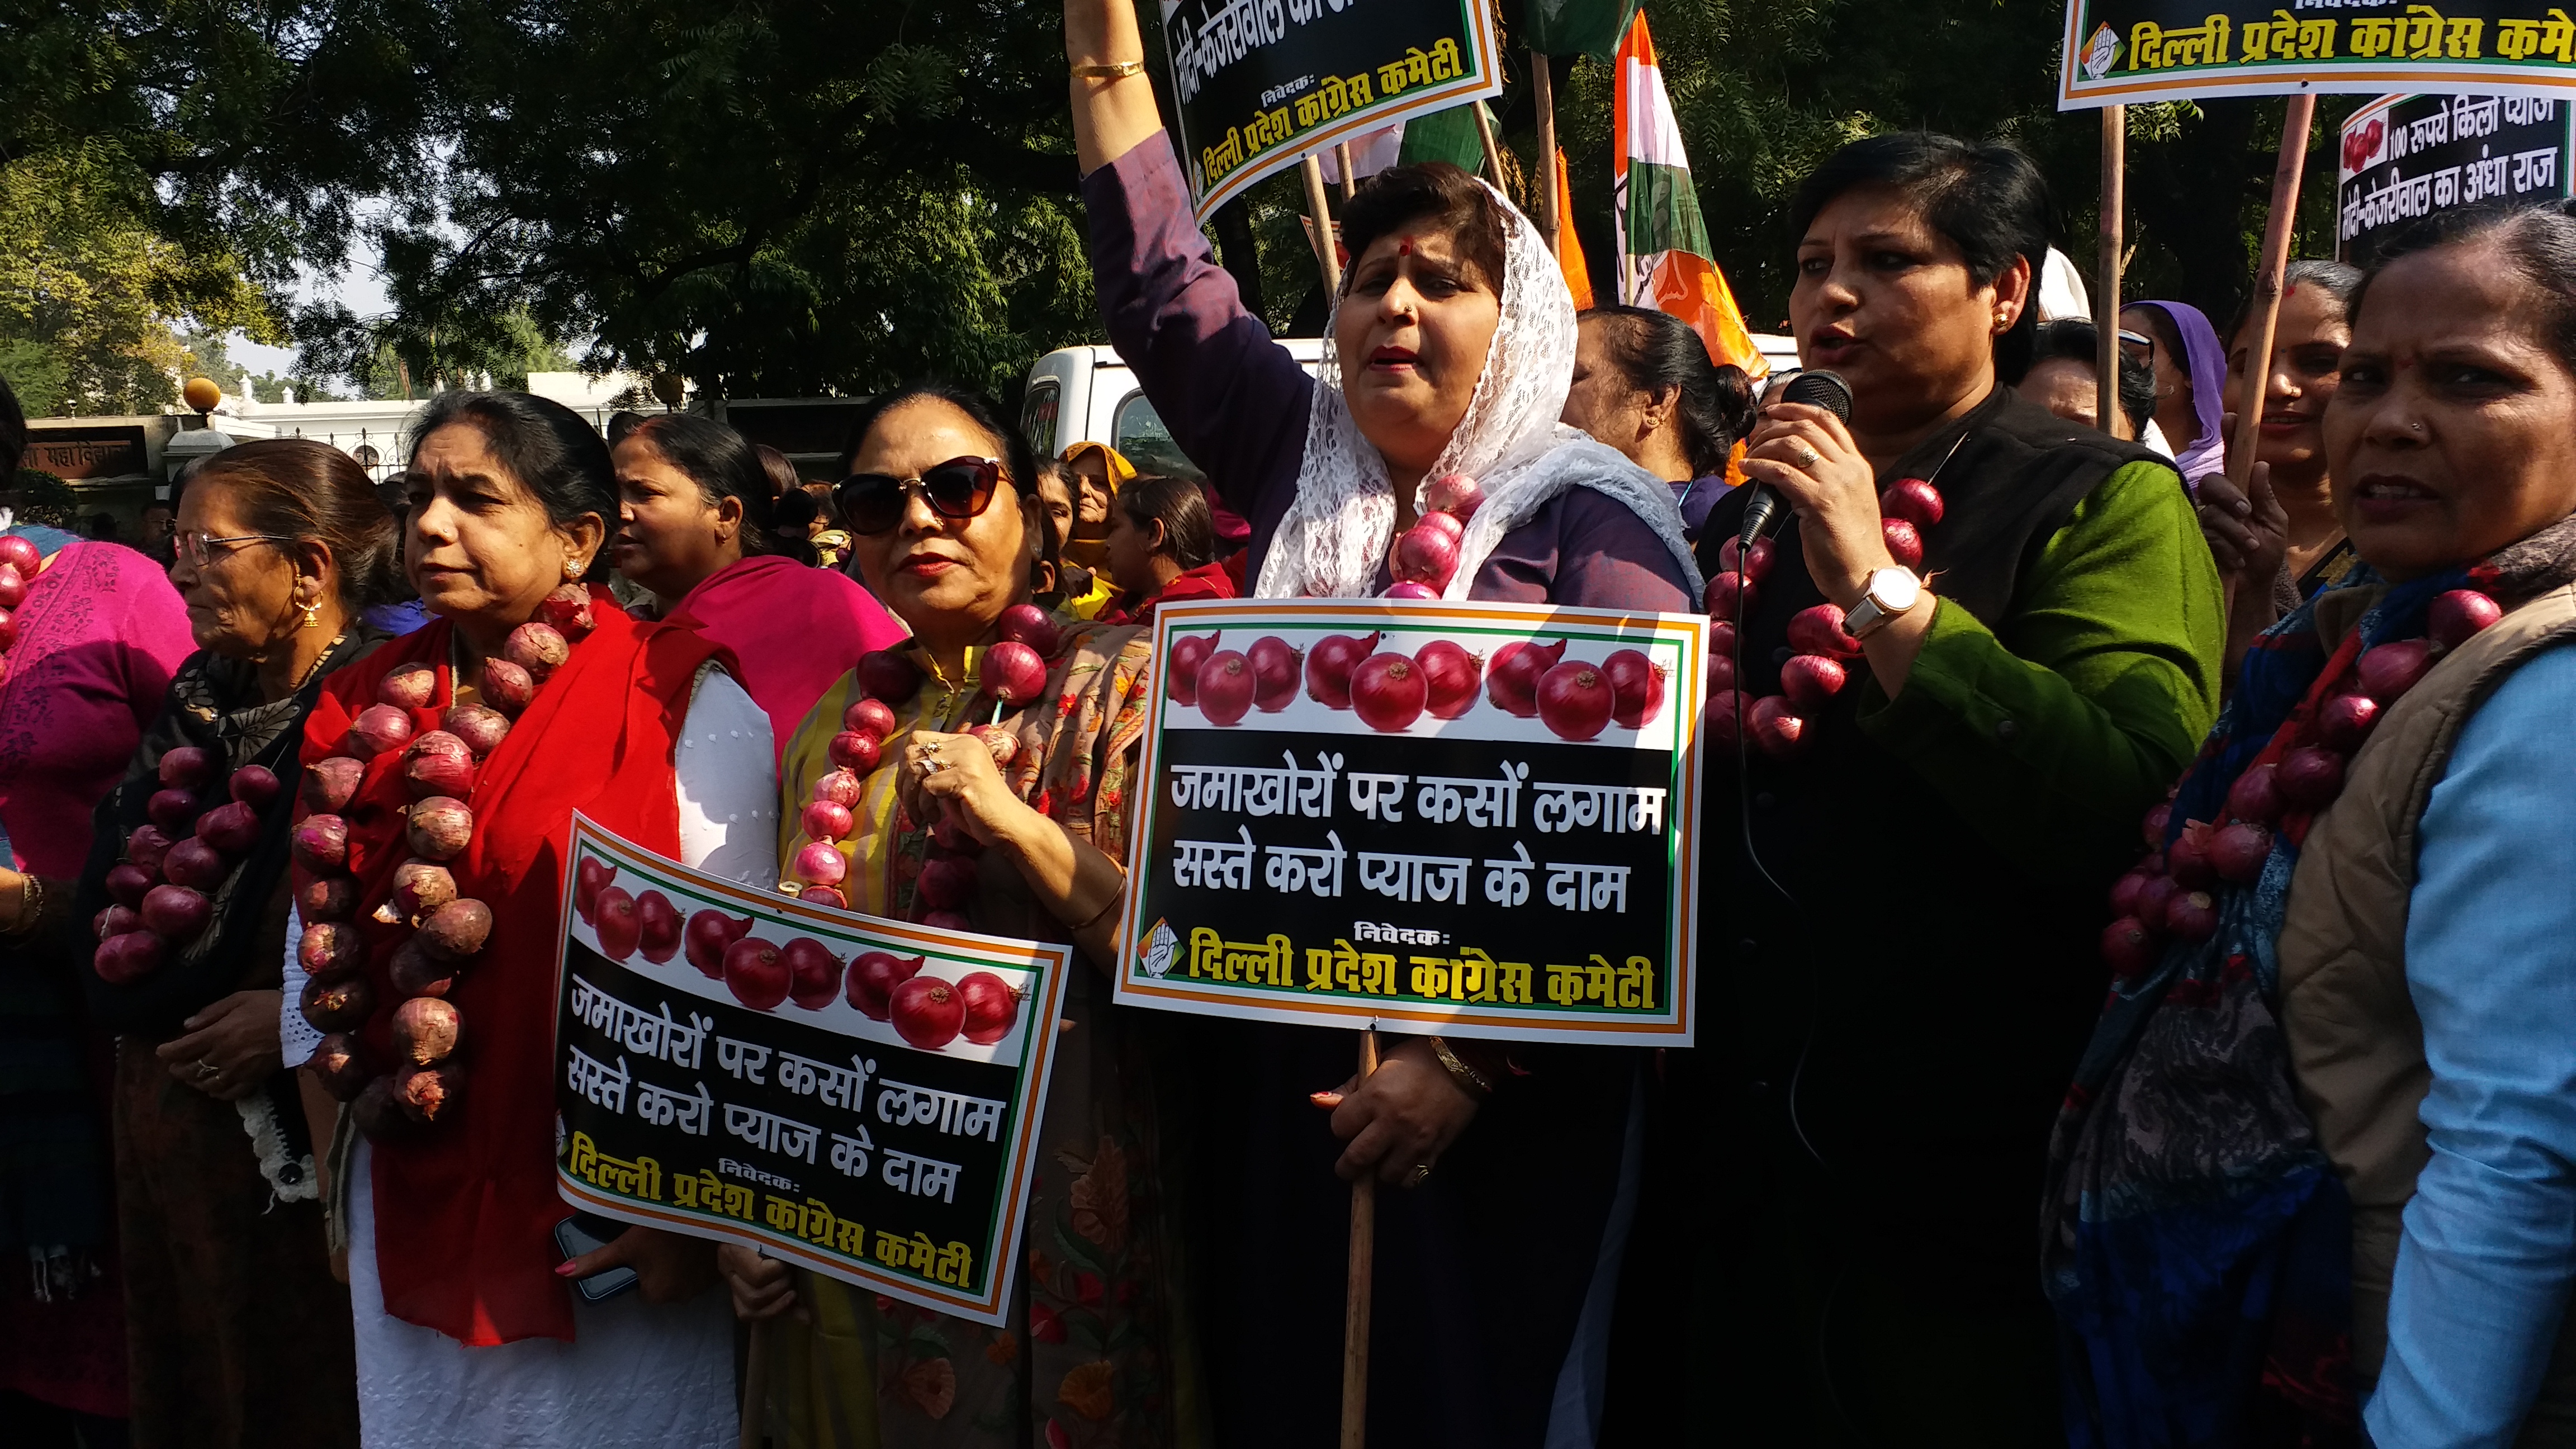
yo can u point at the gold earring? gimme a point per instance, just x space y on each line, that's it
313 615
572 570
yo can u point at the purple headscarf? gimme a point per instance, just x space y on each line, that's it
2208 361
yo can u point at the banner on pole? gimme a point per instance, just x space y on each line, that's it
1357 859
2120 52
803 1103
2408 156
1260 83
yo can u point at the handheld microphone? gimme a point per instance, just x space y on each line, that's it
1818 388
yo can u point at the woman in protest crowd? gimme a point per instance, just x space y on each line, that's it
1078 591
1161 542
2191 377
468 1332
1908 870
1099 471
941 500
692 503
85 662
2063 379
1643 383
239 1332
1453 345
2337 1179
2278 542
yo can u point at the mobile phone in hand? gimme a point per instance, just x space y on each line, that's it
583 1233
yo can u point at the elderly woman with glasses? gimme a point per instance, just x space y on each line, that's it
948 528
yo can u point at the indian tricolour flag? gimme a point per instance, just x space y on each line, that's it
1665 261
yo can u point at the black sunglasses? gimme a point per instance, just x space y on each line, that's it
958 489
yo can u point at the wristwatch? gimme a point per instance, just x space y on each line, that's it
1891 592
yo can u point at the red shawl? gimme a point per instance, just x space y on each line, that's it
465 1211
794 629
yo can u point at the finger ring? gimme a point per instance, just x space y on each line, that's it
208 1069
1421 1174
1808 457
930 764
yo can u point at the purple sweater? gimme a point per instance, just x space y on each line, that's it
1236 402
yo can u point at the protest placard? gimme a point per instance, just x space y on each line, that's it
2121 51
800 1099
1525 868
2408 156
1260 83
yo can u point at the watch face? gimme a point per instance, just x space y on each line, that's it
1895 589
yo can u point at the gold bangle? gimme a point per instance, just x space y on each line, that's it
1114 70
1482 1085
31 906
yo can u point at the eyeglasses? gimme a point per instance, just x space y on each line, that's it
2138 346
198 549
958 489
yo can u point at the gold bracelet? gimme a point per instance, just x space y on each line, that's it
1115 70
1483 1085
31 906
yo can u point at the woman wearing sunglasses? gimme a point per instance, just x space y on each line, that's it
1453 342
948 527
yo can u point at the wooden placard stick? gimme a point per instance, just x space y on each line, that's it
1342 158
1543 95
1363 1276
2106 307
1325 261
1493 148
2267 285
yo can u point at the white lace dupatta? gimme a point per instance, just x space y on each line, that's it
1337 531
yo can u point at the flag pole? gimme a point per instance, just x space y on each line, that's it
1342 159
2267 284
1543 94
1363 1277
2106 310
1325 262
1493 149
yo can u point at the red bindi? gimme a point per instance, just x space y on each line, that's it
1404 247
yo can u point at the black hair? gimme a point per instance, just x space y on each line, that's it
1989 201
783 476
1189 532
13 436
1438 196
1019 462
794 513
2074 339
1656 350
2336 280
721 462
620 424
2540 240
556 456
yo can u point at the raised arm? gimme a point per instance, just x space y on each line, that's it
1111 113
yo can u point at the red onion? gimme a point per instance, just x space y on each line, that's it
2457 616
2344 721
1913 500
173 810
256 785
815 895
1028 624
194 864
1328 668
1776 729
1730 556
820 863
1819 630
127 882
872 981
507 687
1276 668
176 912
1388 692
1451 677
813 972
589 879
2237 852
408 687
2153 827
1455 494
187 767
330 947
425 1029
945 884
887 675
328 898
755 973
825 820
2153 897
992 1007
2124 893
420 887
1511 677
19 552
2392 669
122 960
704 939
2192 917
657 924
321 842
440 828
997 740
231 827
1636 688
2311 776
2188 861
1408 589
1809 680
332 783
8 631
568 609
146 846
425 1092
1904 541
1724 709
841 787
415 972
2129 948
379 1112
1013 673
927 1012
613 920
459 929
1444 524
13 585
1728 596
378 729
1575 700
537 648
869 717
438 763
1721 673
340 1061
1225 687
857 753
116 920
2255 796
